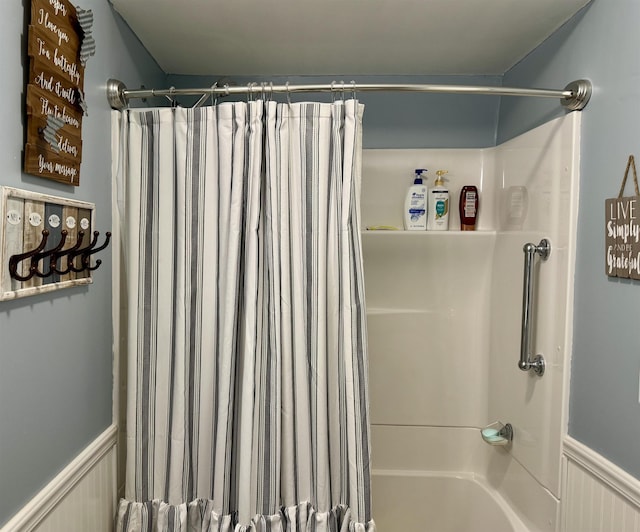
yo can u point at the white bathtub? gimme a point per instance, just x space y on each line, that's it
439 502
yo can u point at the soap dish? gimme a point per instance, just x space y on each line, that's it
497 433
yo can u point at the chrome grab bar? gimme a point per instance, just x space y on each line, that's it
526 363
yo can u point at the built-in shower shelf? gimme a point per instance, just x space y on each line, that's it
428 234
380 311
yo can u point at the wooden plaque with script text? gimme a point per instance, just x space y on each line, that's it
56 80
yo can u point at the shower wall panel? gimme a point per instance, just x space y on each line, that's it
427 296
428 320
546 162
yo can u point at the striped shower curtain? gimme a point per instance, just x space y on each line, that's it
247 402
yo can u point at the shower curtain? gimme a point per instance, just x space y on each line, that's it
247 402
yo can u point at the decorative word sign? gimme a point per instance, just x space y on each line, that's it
622 231
57 48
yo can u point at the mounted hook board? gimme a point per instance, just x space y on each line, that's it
46 243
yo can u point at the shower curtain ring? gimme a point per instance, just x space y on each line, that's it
342 90
288 93
214 94
333 92
170 97
205 96
353 89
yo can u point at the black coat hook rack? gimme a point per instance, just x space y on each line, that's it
46 243
56 254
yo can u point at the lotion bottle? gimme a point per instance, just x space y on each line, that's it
438 204
415 204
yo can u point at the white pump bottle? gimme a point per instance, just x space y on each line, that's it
415 204
438 204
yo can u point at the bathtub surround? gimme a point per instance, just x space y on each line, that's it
428 461
596 494
247 397
450 348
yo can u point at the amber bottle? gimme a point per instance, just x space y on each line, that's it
468 207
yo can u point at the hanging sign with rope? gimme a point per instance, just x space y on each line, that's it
622 230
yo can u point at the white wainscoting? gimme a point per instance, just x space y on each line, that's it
598 496
81 498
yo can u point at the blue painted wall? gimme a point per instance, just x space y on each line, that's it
55 349
402 120
601 44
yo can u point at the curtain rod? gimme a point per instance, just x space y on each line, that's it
575 95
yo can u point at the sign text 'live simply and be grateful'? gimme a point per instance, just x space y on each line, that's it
622 230
59 43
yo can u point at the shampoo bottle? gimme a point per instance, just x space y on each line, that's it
438 204
469 203
415 204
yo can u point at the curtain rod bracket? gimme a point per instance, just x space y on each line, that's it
115 94
581 90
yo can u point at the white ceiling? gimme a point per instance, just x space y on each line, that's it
304 37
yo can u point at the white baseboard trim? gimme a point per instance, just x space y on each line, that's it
36 510
605 471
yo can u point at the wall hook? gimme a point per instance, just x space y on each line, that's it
53 262
14 260
86 257
43 255
78 252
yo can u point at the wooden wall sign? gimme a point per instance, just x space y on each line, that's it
55 91
622 231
